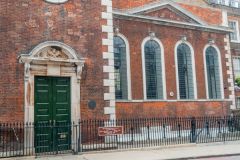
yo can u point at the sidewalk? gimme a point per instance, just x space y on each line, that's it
163 153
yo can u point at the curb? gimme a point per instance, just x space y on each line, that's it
142 149
209 156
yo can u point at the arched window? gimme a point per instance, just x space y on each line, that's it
120 67
213 73
185 72
153 70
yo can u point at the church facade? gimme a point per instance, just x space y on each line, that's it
69 60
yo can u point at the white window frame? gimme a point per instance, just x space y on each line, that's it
220 70
193 69
238 58
128 65
234 3
224 2
145 40
237 105
237 30
230 3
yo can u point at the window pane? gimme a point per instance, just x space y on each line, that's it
185 72
238 102
233 25
213 73
236 66
153 69
120 68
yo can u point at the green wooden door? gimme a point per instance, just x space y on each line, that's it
52 114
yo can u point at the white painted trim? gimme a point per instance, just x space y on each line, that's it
238 33
106 3
220 69
193 67
224 18
128 58
56 1
193 100
233 41
143 66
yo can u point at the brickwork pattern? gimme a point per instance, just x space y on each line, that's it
25 24
171 109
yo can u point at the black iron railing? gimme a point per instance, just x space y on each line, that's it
18 139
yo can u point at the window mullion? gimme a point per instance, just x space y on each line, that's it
214 73
186 76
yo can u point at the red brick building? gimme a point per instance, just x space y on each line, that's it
195 24
70 60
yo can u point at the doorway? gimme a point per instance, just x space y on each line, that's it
52 114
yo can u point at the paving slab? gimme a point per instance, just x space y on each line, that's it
190 151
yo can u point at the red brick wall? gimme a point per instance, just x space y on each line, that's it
126 4
171 109
169 36
209 15
25 24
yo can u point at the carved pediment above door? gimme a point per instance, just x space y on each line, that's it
52 53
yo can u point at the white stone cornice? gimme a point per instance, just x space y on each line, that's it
167 22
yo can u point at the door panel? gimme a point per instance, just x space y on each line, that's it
43 114
43 103
52 114
61 112
61 102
